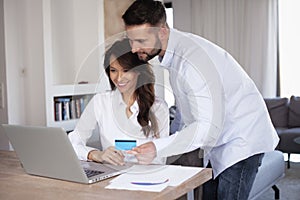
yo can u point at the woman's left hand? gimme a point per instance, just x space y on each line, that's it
109 155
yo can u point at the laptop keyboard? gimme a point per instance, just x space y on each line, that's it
91 173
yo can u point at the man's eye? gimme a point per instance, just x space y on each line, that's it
141 41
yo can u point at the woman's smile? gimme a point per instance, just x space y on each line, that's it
125 80
122 84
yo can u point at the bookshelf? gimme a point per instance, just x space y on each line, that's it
60 112
73 56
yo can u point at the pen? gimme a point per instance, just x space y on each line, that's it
149 183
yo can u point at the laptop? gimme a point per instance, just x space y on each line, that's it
48 152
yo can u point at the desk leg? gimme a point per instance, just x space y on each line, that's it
190 195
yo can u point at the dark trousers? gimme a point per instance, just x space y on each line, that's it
235 182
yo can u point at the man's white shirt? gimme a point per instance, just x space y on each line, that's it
221 109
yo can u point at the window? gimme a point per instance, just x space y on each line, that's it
169 12
289 42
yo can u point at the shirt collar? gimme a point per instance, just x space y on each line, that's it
167 58
134 108
118 96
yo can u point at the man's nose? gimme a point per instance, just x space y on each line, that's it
134 47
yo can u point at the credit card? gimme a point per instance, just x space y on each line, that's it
125 144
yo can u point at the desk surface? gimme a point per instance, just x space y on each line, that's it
16 184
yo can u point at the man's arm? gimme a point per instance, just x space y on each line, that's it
200 97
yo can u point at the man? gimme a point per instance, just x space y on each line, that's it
221 110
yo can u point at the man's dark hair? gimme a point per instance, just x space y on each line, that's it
145 11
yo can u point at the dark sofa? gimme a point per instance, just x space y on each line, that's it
285 116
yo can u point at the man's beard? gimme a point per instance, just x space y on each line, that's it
154 52
149 56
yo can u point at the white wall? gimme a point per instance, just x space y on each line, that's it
75 36
24 61
3 105
4 144
22 74
181 14
13 46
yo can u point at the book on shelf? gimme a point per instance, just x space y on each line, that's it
78 106
70 107
62 108
58 111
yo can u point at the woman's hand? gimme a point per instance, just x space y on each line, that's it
109 155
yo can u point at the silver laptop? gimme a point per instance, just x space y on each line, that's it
47 152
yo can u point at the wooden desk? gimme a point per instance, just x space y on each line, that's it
16 184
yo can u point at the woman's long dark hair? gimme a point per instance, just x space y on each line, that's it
145 94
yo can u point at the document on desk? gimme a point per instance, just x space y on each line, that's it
153 178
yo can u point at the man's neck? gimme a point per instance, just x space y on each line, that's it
164 43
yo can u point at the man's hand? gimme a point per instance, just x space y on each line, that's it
144 153
109 155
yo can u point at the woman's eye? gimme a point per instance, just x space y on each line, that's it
112 70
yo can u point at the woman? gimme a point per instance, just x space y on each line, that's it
130 111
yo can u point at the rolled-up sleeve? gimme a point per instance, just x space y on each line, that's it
199 98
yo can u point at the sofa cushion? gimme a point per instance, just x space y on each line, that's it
287 142
294 112
278 110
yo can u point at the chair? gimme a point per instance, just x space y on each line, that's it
269 173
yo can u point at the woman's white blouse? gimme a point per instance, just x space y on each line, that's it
108 112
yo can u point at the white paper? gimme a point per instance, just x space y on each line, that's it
153 174
179 174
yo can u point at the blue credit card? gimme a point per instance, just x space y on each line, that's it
125 144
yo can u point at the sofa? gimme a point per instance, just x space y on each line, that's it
285 116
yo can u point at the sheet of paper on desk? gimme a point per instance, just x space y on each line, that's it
175 175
